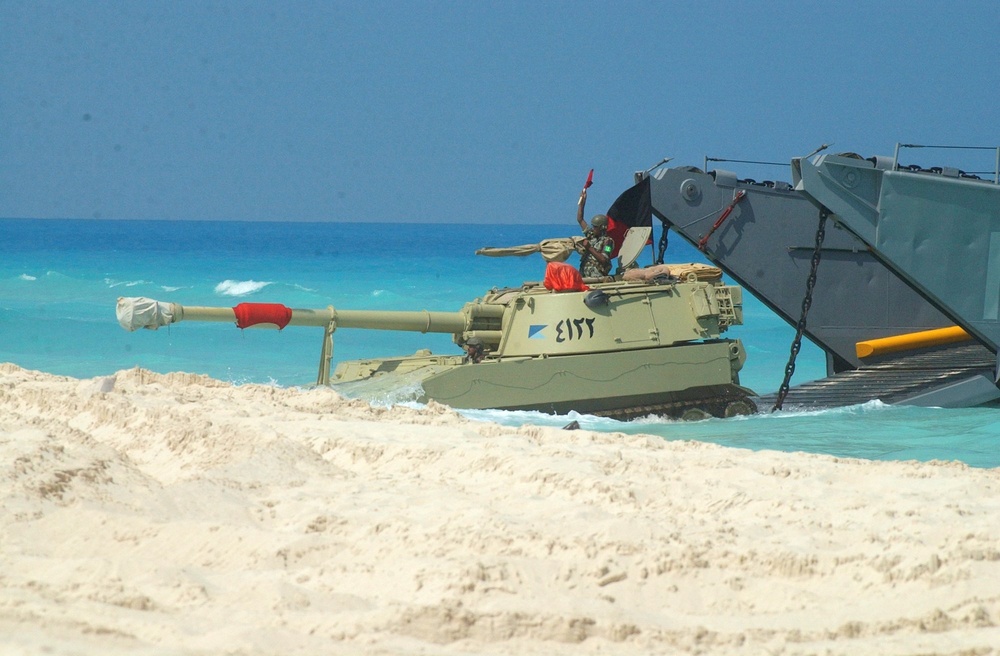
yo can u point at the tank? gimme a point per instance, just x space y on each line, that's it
650 344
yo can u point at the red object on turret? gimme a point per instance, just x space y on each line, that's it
562 277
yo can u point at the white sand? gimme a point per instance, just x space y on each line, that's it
180 515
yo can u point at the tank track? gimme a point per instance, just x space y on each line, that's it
732 403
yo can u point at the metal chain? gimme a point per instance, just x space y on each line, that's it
663 244
806 304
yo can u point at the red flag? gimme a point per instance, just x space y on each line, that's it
590 180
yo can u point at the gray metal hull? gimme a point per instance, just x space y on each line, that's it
767 244
941 233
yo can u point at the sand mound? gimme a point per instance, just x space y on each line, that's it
175 514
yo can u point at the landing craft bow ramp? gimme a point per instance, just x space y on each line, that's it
899 251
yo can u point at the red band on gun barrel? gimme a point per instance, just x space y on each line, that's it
251 314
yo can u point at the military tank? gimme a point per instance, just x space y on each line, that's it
649 344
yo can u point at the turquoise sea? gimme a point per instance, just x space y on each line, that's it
59 281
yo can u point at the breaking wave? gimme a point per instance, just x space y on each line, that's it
239 287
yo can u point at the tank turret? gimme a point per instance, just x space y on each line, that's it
649 344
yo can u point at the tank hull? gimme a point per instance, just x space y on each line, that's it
686 380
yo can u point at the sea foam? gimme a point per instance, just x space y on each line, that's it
112 283
239 287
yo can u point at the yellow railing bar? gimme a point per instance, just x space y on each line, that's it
911 341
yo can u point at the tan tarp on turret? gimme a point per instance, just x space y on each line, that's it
552 250
684 272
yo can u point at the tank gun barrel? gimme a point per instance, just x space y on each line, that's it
474 320
135 313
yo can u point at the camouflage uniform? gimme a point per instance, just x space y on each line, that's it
590 267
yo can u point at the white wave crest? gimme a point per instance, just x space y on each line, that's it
858 409
239 287
127 283
25 276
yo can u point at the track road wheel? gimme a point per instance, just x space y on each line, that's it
740 407
695 414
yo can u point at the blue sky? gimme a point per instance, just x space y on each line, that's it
460 111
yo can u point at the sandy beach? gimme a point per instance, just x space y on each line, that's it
175 514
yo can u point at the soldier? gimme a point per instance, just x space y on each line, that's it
596 249
475 350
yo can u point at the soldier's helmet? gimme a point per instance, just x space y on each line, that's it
599 222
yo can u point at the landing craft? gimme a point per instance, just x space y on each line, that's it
904 263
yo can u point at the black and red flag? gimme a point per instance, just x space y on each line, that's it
632 209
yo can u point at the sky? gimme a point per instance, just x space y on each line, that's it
468 112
